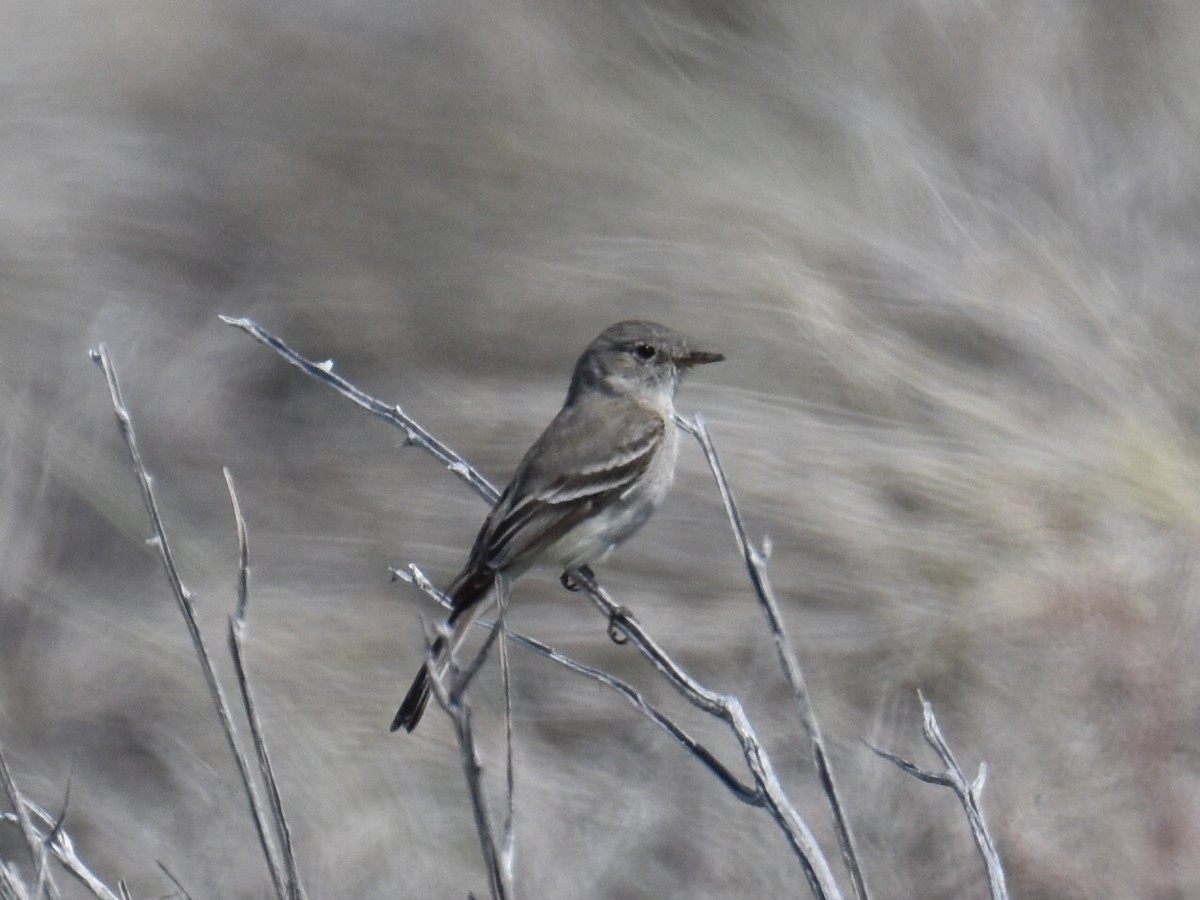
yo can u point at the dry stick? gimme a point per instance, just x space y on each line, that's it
449 687
767 793
756 568
508 849
175 881
741 790
726 708
11 888
183 599
968 794
33 841
62 845
729 709
237 631
55 830
393 415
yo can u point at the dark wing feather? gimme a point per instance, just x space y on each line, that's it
549 496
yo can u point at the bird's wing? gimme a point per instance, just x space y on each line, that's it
582 462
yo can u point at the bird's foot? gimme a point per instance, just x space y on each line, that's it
570 583
616 633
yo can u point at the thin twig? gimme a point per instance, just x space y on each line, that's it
32 839
393 415
741 790
183 599
11 886
62 845
464 676
34 842
508 850
729 709
768 791
449 685
55 830
237 631
969 793
175 881
243 571
756 568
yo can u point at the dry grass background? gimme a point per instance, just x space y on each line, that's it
950 250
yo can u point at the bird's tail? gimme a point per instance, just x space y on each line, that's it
412 707
469 592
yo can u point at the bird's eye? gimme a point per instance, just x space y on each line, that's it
644 351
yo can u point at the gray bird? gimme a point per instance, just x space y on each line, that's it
592 479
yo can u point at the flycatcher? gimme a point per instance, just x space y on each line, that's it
593 478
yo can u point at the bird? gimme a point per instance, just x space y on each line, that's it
595 475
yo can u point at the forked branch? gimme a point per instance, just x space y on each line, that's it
969 793
268 820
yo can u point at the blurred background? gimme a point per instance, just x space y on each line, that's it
950 250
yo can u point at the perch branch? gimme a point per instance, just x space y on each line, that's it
724 707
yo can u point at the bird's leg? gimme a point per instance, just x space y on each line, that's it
570 583
615 634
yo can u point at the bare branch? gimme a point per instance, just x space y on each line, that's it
175 881
767 792
55 837
393 415
183 599
969 794
34 842
508 850
11 886
32 838
728 709
237 631
243 573
55 830
756 568
745 792
449 685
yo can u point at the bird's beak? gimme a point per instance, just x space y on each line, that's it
690 358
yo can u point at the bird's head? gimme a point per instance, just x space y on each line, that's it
637 357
